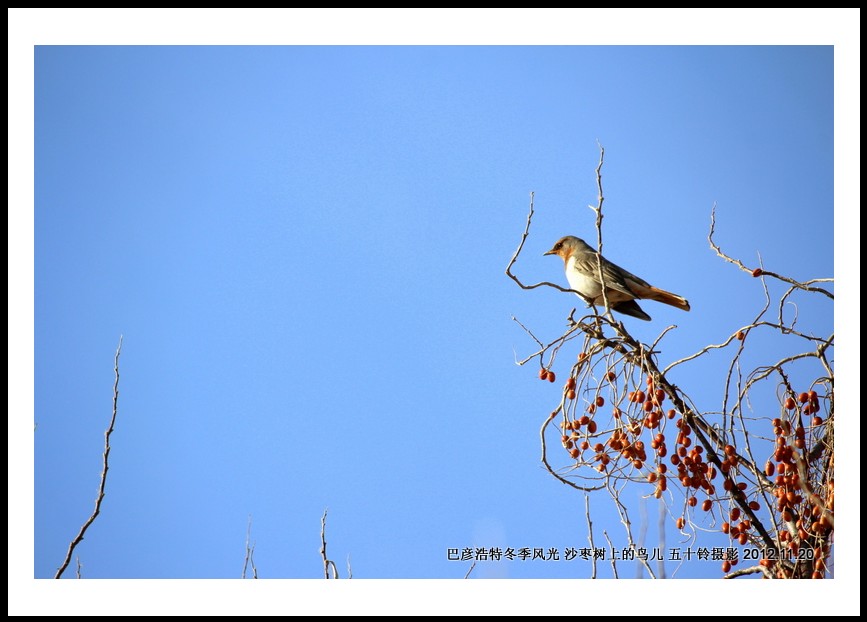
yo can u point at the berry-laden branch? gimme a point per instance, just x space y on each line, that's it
622 421
101 493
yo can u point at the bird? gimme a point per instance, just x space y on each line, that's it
622 288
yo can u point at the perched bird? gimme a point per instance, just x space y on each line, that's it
621 286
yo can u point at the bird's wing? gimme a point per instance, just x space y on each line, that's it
615 276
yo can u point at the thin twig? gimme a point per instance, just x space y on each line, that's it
627 525
248 552
597 209
473 565
101 494
661 528
518 252
328 565
611 548
590 535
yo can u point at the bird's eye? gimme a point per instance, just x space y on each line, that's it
559 245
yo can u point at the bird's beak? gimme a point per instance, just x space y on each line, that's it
550 252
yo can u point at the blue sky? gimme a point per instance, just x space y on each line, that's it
303 248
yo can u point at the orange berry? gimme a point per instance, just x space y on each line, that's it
706 505
740 335
551 376
591 427
803 398
726 566
570 394
611 376
743 539
757 272
680 522
591 408
574 453
570 384
790 403
725 527
600 401
543 374
817 421
769 468
692 502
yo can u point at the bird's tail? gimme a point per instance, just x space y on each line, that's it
660 295
630 307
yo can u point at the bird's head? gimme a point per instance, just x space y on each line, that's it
565 246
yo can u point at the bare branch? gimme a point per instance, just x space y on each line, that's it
329 566
101 494
627 525
590 535
248 554
473 565
761 270
613 561
598 211
518 252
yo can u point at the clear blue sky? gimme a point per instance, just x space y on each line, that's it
304 247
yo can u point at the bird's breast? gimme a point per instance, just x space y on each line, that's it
581 282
